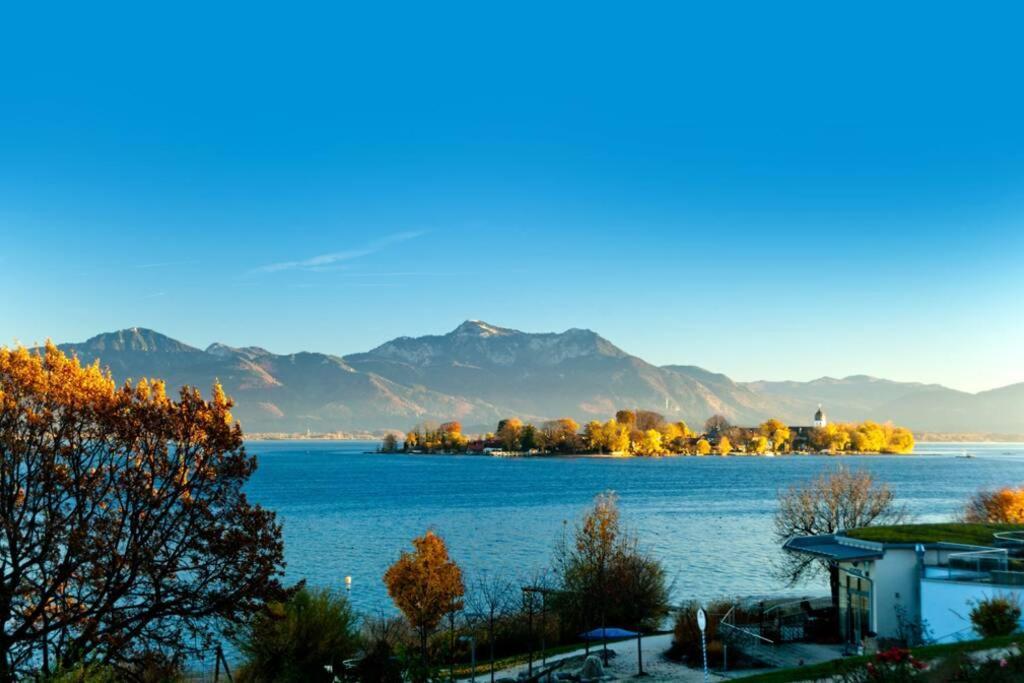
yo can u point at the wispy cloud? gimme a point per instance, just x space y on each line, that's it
164 264
334 258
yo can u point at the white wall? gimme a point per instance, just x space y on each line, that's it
945 606
895 577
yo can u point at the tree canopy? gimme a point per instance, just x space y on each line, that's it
605 578
1005 505
425 584
832 502
124 532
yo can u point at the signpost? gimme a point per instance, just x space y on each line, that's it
702 624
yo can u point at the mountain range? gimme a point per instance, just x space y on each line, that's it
479 373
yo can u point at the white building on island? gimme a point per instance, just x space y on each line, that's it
819 418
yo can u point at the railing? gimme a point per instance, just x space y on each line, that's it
1014 539
977 562
992 565
966 633
745 639
788 621
1007 578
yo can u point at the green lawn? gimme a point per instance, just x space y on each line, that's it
847 664
969 534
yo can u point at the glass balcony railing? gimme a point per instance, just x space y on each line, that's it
992 566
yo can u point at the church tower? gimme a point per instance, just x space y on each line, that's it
819 418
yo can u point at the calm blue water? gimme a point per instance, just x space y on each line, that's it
708 519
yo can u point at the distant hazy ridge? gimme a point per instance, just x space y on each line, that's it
479 373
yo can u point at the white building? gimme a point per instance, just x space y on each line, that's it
898 590
819 417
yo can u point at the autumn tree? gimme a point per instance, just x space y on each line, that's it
608 437
724 446
758 444
509 433
425 585
602 566
593 437
124 532
643 592
868 437
703 447
491 598
291 642
830 503
559 435
898 440
648 419
675 436
451 437
529 438
649 443
778 433
626 417
716 423
1001 506
833 437
616 436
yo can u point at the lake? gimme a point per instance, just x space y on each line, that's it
348 513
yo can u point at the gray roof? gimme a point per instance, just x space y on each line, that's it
837 548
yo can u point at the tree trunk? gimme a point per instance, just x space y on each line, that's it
490 643
529 621
451 648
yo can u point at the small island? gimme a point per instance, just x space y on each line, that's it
649 434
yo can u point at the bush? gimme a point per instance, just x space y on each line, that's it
84 674
1007 669
150 667
998 615
383 639
686 642
294 641
894 665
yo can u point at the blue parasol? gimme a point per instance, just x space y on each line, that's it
607 634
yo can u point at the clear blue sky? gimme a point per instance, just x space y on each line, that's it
771 191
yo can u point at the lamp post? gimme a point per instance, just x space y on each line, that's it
702 624
472 656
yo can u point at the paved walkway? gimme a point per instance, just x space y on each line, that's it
624 664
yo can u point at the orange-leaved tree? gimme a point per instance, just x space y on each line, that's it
124 532
1004 505
778 433
425 584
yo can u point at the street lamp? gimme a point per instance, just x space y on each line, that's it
472 656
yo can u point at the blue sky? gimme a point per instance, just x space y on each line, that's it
767 191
